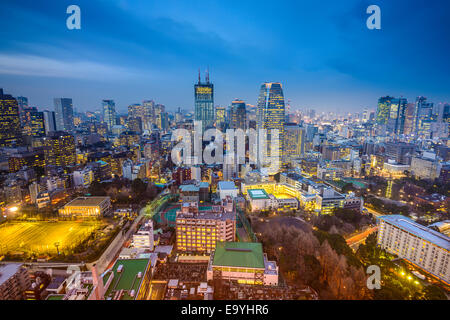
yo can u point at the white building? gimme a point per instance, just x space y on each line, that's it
83 178
417 244
227 188
144 238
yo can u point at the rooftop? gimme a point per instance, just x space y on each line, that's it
87 201
127 279
418 230
227 185
8 270
239 254
258 194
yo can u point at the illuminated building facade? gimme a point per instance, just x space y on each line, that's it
37 124
204 102
271 116
417 244
10 131
238 116
220 118
63 114
109 113
383 109
200 230
59 149
293 142
396 121
88 207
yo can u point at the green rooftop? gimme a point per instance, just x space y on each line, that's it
258 194
239 254
127 279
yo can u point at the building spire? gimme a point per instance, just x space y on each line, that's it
198 75
207 75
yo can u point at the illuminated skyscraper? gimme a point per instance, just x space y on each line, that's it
10 131
37 124
204 102
423 115
396 121
49 121
293 142
383 109
270 116
59 149
109 113
63 114
238 115
220 118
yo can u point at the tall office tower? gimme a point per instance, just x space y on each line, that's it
293 142
204 102
409 118
423 115
109 113
148 114
10 131
49 121
159 117
37 124
59 149
271 116
220 118
238 115
396 121
383 109
63 114
135 125
311 131
22 103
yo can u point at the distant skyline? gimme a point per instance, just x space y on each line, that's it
129 51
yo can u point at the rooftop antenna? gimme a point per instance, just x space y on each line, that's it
207 75
198 75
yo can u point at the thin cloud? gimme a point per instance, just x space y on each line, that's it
29 65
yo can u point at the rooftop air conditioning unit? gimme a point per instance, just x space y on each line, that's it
120 268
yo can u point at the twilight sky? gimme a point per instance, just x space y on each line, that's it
130 50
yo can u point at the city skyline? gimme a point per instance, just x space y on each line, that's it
151 50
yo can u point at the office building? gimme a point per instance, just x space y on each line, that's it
109 113
204 102
37 124
293 142
271 116
396 121
63 114
59 149
49 121
238 115
10 130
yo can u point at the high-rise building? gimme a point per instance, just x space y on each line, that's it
10 131
49 121
37 124
22 103
220 118
109 113
396 121
59 149
63 114
204 102
423 115
383 109
409 118
271 116
238 116
293 142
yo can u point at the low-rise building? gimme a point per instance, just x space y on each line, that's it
87 207
14 280
243 262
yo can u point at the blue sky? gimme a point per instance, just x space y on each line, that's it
321 51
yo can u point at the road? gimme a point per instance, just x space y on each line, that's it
360 237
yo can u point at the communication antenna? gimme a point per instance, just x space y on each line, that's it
207 75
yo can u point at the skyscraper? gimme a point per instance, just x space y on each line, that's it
423 115
37 124
396 121
220 118
49 121
109 113
10 131
271 116
293 142
383 109
63 114
238 115
204 102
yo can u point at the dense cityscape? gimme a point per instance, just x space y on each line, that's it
97 205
